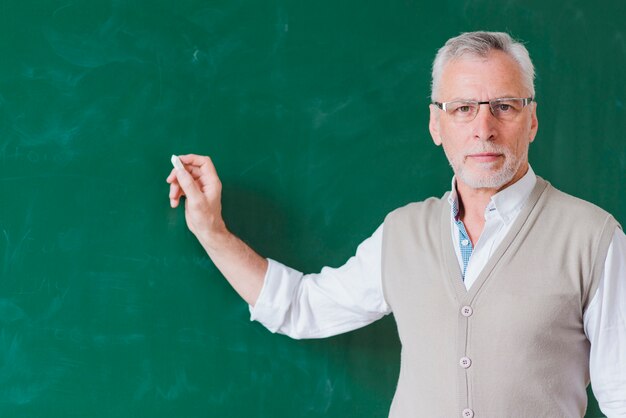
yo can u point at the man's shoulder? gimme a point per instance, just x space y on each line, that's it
577 208
431 207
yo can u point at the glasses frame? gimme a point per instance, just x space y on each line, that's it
525 102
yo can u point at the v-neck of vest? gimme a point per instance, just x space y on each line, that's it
449 258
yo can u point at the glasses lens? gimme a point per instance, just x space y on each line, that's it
506 109
462 111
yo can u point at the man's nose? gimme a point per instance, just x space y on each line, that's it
484 124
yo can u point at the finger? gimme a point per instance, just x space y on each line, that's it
194 171
203 169
194 160
176 192
172 176
188 185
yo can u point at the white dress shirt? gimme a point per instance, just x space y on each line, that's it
338 300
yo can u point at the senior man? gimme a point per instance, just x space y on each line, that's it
508 294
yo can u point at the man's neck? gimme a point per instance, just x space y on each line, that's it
472 206
473 203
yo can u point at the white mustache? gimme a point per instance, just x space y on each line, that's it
492 149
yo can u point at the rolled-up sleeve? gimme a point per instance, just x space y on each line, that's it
331 302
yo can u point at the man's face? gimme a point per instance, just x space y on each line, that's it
486 152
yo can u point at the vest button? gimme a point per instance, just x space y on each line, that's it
465 362
467 311
467 413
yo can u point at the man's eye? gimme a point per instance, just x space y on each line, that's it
504 107
464 109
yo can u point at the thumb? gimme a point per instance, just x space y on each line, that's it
188 184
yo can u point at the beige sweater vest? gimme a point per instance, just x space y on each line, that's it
514 344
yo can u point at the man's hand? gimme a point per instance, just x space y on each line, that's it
203 189
242 267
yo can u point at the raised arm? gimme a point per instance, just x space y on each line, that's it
243 268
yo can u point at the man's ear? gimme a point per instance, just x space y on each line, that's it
534 123
433 124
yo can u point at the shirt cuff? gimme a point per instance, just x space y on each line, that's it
274 301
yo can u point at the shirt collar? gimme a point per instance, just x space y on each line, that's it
506 203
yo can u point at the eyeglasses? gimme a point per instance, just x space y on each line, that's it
505 109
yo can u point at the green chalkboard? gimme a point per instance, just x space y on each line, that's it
315 114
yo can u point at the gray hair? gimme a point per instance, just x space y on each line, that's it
480 44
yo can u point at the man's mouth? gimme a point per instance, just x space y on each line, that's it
485 157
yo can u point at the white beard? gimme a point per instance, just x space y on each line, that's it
490 180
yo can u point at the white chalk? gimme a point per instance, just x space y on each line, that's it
177 164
